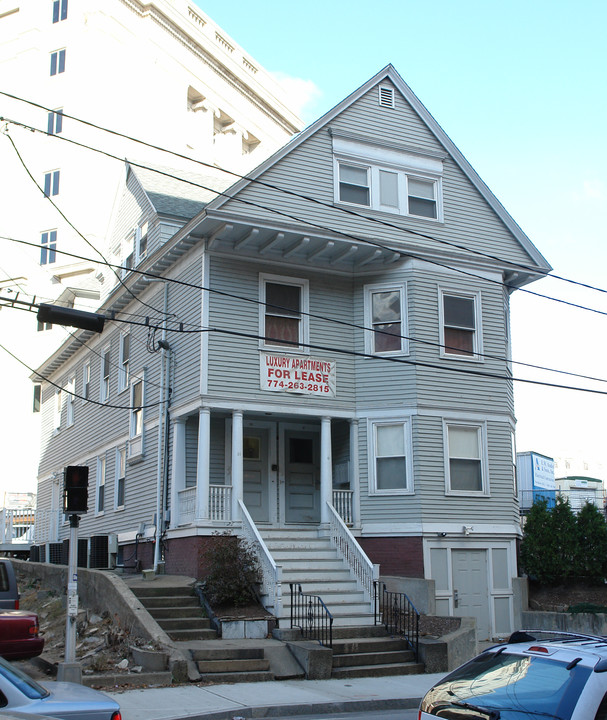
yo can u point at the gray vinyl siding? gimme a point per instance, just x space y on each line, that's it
191 451
308 170
218 465
234 369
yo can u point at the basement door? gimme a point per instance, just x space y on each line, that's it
302 476
471 588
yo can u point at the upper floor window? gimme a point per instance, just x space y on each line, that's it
55 122
57 409
137 428
141 242
105 375
86 381
285 306
48 247
37 398
59 10
128 254
388 178
51 183
391 471
385 319
465 469
58 62
460 321
125 351
70 390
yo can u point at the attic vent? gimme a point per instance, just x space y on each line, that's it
386 96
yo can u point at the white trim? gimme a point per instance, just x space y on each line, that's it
481 428
304 320
477 340
370 290
204 321
372 425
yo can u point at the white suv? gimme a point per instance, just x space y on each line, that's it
537 674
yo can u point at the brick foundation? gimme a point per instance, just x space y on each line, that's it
397 556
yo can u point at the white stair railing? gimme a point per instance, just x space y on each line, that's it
348 547
271 584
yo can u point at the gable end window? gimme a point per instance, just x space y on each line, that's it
284 322
354 184
460 320
391 468
385 320
465 462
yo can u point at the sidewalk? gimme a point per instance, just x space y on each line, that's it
274 699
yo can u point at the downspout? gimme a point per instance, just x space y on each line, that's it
162 445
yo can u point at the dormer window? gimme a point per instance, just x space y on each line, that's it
387 179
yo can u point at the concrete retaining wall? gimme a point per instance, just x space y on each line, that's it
587 623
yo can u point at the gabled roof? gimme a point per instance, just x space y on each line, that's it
540 264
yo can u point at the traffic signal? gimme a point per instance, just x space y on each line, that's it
76 489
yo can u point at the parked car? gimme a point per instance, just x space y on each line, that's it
68 701
9 594
562 676
19 638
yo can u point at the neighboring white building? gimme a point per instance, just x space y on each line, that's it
582 467
160 71
580 490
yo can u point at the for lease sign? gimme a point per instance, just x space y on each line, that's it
301 375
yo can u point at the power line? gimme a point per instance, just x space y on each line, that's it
366 241
316 316
309 198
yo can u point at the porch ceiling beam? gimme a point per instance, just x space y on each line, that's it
350 250
326 246
372 256
215 236
269 244
251 235
302 242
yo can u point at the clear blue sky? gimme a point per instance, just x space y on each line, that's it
520 87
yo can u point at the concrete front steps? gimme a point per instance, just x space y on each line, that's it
371 652
231 665
177 610
310 560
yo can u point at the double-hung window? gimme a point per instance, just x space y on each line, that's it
86 381
100 499
390 450
58 62
284 320
141 242
59 10
120 477
57 409
460 320
388 178
70 390
48 247
465 457
385 319
105 375
51 183
55 122
136 429
125 350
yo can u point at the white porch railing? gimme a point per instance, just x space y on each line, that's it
342 501
16 525
270 571
353 554
220 502
187 505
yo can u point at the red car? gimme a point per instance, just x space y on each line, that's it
19 637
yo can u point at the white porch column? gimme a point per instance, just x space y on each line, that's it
354 472
326 474
237 466
203 465
178 468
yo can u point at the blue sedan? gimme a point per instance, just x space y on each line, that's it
67 701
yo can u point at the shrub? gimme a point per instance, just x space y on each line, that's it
233 571
592 544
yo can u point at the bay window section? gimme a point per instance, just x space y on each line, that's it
465 458
391 469
385 319
460 324
284 321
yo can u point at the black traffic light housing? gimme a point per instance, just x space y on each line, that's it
76 490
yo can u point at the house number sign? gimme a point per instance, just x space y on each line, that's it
300 375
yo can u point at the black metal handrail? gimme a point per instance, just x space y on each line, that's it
311 616
398 615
